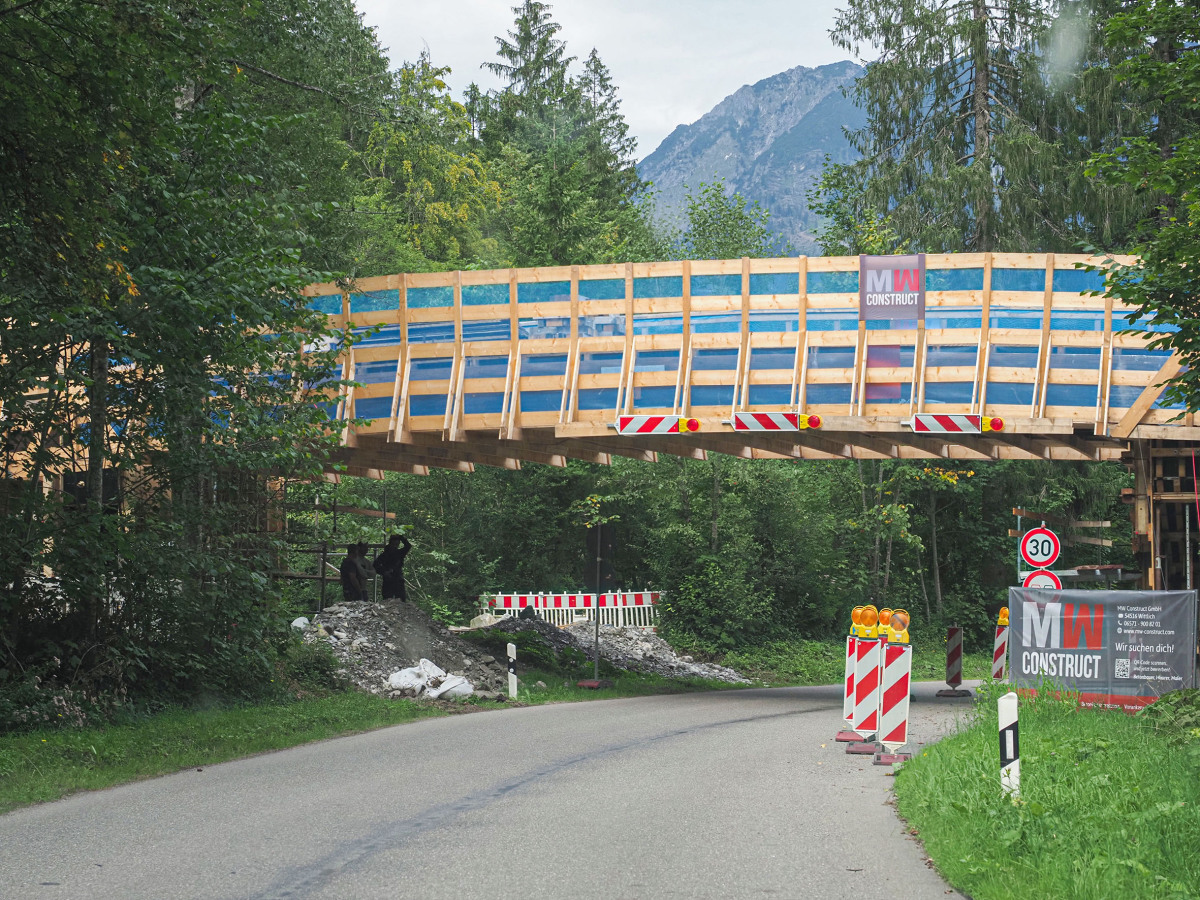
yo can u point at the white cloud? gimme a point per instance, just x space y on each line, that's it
672 61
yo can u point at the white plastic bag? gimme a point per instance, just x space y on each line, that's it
407 679
451 686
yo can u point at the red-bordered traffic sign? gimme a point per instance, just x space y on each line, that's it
1042 580
1040 547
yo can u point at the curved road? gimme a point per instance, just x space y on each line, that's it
715 795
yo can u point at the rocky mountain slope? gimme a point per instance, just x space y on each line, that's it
768 141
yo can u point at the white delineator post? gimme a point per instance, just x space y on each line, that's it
512 671
1010 747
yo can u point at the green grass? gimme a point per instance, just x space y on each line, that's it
799 662
1109 807
46 765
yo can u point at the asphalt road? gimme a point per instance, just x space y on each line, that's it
718 795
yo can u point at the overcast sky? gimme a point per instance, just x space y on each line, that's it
672 60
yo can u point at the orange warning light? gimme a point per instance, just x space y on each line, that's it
1003 619
689 425
899 620
885 616
856 615
870 616
992 423
806 421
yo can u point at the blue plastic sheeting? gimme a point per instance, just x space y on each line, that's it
544 292
558 327
1013 356
951 355
429 297
330 409
716 360
656 397
954 279
598 398
955 317
950 392
659 324
373 408
1126 360
717 285
831 357
600 364
832 320
478 404
775 283
1019 280
1075 358
1147 323
427 405
770 394
833 282
486 330
601 326
430 369
723 323
656 361
1077 281
772 358
484 294
384 337
1003 317
712 394
602 289
541 401
818 394
430 332
886 324
537 364
1123 396
1077 320
879 393
374 301
660 286
375 372
486 367
773 320
890 355
330 304
1068 395
1009 393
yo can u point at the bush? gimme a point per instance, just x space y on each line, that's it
308 668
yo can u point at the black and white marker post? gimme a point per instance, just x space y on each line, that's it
512 671
1010 747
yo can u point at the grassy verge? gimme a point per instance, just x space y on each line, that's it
798 662
1108 808
46 765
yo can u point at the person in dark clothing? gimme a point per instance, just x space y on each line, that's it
353 583
390 565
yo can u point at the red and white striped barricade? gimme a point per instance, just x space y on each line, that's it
895 677
954 636
638 609
848 693
656 424
866 694
769 421
1000 654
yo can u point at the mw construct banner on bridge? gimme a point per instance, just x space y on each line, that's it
1119 649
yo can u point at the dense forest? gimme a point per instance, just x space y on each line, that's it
175 173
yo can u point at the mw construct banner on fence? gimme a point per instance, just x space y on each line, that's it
1120 649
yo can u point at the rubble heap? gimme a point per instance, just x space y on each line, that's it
374 640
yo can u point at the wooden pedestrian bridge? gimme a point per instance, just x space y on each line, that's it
497 367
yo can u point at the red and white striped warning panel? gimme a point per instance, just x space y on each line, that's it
893 695
954 656
866 687
572 601
657 424
1000 653
931 423
851 659
767 421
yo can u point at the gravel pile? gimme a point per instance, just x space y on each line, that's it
641 650
373 640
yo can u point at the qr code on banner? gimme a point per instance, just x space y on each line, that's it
1122 668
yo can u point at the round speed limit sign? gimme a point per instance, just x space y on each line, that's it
1040 547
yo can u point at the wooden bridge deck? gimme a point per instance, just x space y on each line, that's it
496 367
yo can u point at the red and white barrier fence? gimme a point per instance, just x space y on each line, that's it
893 697
638 609
1000 648
866 688
954 639
876 686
